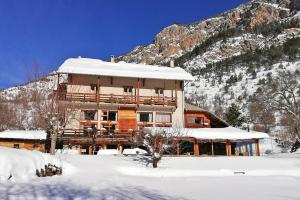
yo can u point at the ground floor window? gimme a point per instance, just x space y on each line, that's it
89 114
16 146
110 116
145 117
163 118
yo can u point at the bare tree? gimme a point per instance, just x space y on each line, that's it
159 141
283 95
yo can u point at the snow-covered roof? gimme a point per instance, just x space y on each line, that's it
228 133
24 134
89 66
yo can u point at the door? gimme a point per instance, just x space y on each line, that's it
127 119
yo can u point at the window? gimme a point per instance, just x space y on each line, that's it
89 115
36 145
128 90
16 146
145 117
163 118
195 120
109 116
159 91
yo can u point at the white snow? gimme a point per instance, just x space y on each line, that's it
108 152
228 133
20 164
134 151
24 134
132 177
98 67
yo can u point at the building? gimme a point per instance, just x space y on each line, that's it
118 99
23 139
108 104
196 117
207 134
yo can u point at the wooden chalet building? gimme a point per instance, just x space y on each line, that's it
24 139
110 103
117 99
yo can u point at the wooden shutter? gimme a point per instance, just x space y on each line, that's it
127 119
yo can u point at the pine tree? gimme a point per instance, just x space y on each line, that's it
234 117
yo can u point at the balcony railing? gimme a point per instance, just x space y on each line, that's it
117 99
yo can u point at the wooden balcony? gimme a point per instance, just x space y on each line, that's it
117 99
80 136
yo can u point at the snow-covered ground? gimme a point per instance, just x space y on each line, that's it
130 177
20 164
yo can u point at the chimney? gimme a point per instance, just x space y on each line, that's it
172 63
112 59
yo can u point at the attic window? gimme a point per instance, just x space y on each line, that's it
159 91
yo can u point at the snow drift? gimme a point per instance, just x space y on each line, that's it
19 164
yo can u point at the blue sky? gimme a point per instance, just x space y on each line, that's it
46 32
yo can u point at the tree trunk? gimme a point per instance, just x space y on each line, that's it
154 162
53 142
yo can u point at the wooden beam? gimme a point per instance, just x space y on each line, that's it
196 148
138 92
80 149
212 148
90 150
228 148
98 90
257 147
176 92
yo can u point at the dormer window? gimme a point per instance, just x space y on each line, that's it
159 91
128 90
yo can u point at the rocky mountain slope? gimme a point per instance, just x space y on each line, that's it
231 55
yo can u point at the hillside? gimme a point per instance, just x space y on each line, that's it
232 56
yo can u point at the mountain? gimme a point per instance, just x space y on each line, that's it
231 55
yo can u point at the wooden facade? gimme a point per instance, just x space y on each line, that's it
38 145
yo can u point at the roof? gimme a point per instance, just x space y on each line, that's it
228 133
24 134
192 108
89 66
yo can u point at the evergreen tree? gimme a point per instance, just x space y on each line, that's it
234 117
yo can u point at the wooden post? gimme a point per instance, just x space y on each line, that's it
178 148
196 148
257 147
80 149
176 92
138 92
212 148
90 150
228 148
98 90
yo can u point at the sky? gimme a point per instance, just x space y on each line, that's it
43 33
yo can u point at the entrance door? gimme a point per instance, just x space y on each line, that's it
127 119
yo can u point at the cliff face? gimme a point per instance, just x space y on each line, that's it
231 55
176 39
